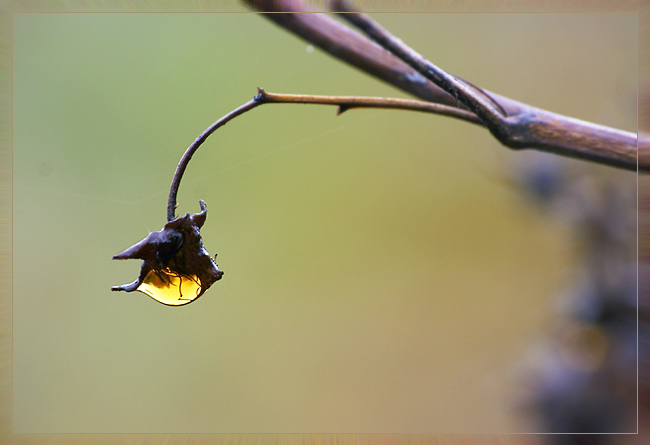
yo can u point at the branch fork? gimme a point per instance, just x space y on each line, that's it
514 124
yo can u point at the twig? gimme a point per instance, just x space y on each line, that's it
524 127
348 102
182 165
344 103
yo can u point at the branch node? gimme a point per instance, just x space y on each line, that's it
260 96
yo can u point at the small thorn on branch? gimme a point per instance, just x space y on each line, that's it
260 96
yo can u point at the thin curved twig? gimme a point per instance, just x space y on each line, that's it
182 165
344 103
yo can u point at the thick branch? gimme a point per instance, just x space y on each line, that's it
343 102
528 127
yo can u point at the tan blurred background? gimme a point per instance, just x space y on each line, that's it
383 272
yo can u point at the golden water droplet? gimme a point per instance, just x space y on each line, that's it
176 290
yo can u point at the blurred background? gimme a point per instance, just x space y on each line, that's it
385 271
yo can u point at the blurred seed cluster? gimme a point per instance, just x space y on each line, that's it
584 373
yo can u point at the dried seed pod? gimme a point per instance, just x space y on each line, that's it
176 268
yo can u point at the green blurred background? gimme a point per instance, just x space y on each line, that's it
383 273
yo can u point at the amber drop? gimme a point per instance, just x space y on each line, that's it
175 290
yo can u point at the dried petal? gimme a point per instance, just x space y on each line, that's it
176 268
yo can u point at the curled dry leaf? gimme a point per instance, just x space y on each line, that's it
176 268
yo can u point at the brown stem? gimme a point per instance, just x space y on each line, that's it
182 165
343 102
526 126
348 102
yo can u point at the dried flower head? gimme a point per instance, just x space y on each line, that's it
176 268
